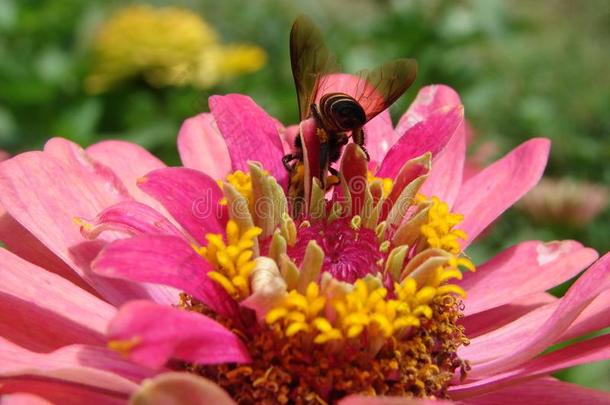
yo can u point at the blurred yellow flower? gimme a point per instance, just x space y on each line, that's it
167 46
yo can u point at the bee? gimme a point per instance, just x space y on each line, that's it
338 115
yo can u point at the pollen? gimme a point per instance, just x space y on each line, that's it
232 258
242 183
438 229
299 312
365 310
124 346
292 369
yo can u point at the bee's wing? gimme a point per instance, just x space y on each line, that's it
379 88
310 59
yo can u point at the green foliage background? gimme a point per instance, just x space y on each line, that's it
523 68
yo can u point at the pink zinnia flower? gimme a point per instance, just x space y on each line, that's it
565 201
361 296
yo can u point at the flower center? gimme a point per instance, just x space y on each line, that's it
350 252
344 303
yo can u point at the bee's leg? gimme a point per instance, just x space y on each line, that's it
287 159
324 151
342 139
358 136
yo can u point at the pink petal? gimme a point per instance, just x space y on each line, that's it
190 196
596 316
250 134
429 99
23 399
430 135
60 392
129 162
485 196
544 391
202 146
589 351
445 178
524 269
95 367
519 341
360 400
486 321
46 208
130 217
379 136
180 389
61 312
22 243
75 157
163 259
160 332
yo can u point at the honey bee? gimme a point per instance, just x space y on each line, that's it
337 115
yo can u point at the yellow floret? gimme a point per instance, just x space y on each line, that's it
232 260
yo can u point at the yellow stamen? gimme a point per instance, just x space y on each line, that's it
242 183
233 261
386 183
438 229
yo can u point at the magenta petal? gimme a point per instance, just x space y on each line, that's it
250 134
488 194
158 333
588 351
429 99
181 389
129 162
379 136
516 343
46 207
163 259
544 391
202 147
524 269
445 178
190 196
430 135
62 312
130 217
94 367
354 168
